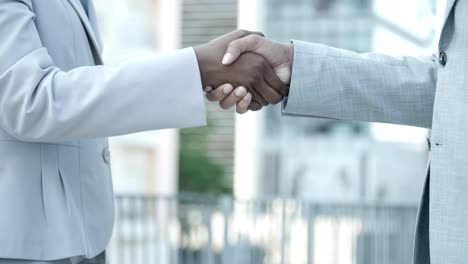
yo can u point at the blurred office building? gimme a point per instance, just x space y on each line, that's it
330 160
145 163
203 21
136 29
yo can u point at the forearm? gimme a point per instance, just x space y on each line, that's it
334 83
41 103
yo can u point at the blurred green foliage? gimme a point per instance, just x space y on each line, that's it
198 172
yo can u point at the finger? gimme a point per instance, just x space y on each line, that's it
257 33
268 94
255 106
237 34
234 97
208 89
272 79
243 105
240 33
219 93
257 97
239 46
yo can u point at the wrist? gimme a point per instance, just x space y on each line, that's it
289 55
201 54
284 69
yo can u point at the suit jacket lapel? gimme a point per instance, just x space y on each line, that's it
94 24
444 33
87 25
450 4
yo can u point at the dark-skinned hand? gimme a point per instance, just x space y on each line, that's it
250 70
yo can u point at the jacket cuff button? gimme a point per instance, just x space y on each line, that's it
106 155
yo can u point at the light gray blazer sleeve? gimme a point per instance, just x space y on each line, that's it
340 84
39 102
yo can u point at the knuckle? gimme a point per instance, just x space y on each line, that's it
240 109
224 106
271 99
255 37
264 102
277 100
242 32
260 60
251 37
258 65
235 48
256 62
254 80
259 33
221 97
209 97
250 80
252 40
232 44
215 94
256 107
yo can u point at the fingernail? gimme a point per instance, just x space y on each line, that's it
241 91
208 89
227 89
227 58
248 97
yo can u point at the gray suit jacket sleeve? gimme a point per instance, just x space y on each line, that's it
340 84
41 102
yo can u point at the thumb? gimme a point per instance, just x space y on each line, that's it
239 46
284 74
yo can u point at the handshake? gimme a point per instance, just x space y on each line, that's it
258 67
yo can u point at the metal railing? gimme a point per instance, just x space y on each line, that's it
192 229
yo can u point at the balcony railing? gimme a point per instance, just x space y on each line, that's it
192 229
